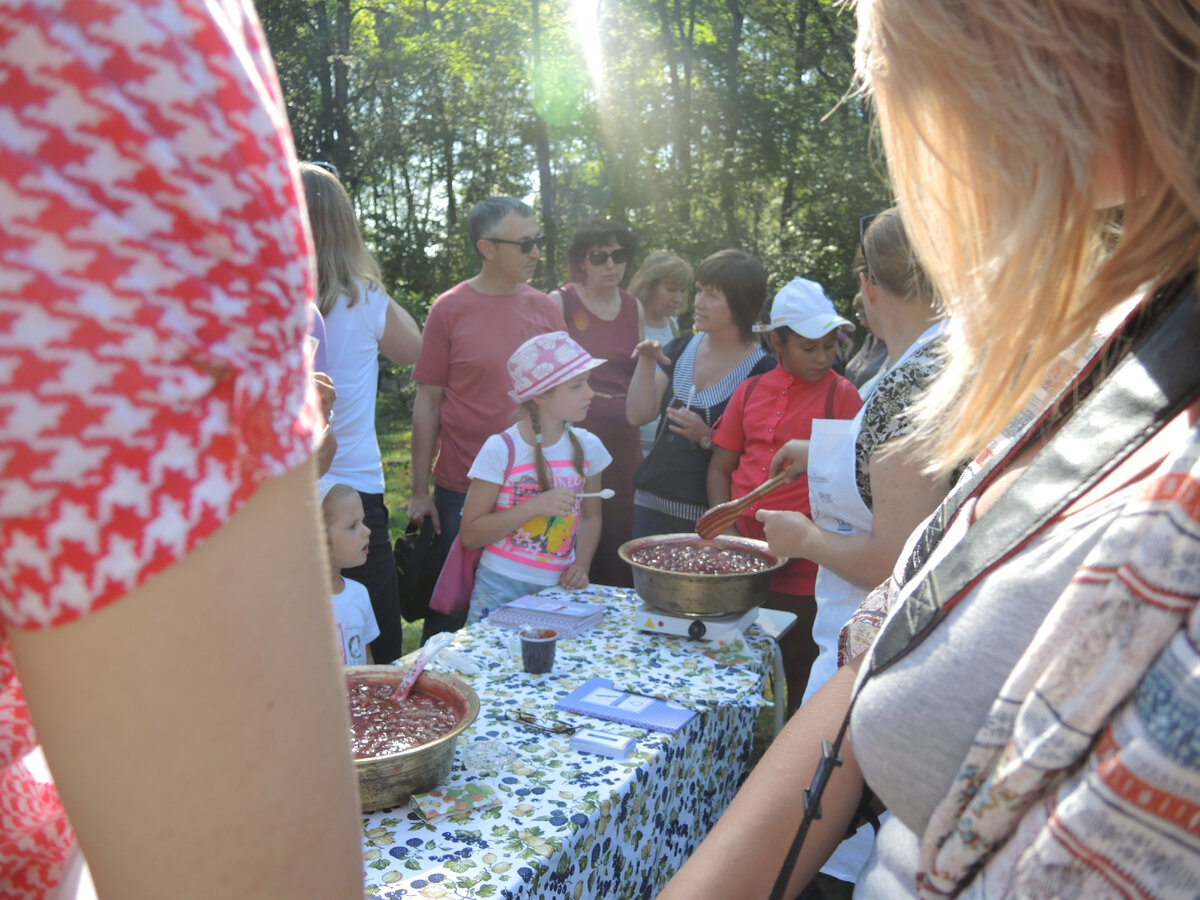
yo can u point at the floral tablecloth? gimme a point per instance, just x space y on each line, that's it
571 824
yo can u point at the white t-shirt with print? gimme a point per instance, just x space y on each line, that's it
356 623
543 548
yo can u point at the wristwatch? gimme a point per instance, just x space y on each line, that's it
705 443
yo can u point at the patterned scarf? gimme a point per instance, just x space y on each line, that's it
1083 779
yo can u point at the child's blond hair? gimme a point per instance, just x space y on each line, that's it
330 494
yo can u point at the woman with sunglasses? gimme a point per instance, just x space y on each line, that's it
607 322
865 367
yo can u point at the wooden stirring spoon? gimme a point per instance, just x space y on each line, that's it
718 519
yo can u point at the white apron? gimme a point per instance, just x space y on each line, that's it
836 506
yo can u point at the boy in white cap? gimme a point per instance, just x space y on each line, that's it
764 413
535 530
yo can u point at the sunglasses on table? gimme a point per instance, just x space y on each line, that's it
600 257
525 245
529 720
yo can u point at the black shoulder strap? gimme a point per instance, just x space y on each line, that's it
569 300
833 386
751 384
1146 389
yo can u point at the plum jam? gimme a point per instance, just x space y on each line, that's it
381 726
700 558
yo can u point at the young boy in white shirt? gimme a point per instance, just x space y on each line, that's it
347 538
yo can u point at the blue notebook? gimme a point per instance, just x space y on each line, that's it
599 698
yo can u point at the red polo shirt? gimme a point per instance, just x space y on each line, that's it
781 408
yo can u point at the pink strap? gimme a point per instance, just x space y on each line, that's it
452 592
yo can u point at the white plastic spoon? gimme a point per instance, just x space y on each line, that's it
603 495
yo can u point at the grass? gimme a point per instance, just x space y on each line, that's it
393 426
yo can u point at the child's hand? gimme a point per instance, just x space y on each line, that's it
786 532
574 577
556 502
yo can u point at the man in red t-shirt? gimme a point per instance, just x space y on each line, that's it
470 333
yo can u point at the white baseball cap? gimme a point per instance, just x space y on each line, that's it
802 306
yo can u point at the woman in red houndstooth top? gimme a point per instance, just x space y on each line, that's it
164 621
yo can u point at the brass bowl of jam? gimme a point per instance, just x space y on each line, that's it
686 575
407 748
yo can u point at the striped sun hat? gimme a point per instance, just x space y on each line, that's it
546 361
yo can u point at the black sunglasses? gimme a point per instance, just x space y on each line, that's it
600 257
529 720
327 166
524 244
863 224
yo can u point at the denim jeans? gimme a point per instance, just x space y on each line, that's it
493 590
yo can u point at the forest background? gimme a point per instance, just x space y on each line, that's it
702 124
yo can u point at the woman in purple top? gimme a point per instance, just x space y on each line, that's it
607 322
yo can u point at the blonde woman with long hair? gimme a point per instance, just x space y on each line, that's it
361 322
1027 710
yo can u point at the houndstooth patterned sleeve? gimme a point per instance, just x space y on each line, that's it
153 290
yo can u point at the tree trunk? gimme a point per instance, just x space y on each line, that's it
343 150
545 174
727 178
677 44
787 206
444 139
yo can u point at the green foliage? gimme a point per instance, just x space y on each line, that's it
703 124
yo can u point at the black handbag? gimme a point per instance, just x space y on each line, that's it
415 576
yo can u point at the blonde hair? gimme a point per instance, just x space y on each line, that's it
344 264
335 493
999 120
545 481
660 267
